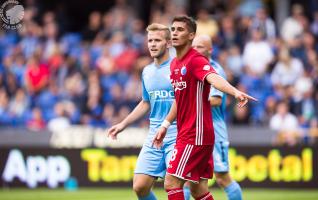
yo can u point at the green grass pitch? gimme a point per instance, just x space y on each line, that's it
127 194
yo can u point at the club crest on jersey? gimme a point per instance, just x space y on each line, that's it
206 67
183 70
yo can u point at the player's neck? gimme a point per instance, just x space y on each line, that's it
182 50
158 61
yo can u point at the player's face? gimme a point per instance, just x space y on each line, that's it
202 47
180 34
157 43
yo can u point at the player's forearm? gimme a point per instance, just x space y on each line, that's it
221 84
172 113
140 110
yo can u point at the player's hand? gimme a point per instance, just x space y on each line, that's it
158 139
243 98
114 130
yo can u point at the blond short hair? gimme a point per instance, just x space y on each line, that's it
159 27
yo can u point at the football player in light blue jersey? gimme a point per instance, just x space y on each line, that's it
203 44
157 96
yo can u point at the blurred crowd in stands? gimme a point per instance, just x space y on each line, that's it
53 78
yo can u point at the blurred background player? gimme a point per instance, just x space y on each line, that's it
157 96
191 76
203 44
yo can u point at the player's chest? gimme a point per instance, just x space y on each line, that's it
180 76
157 80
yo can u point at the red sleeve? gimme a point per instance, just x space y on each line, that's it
201 67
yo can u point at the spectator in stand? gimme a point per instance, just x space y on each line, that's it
117 99
36 123
93 108
109 115
36 75
228 35
11 84
293 26
59 121
265 23
314 24
257 54
18 69
137 35
206 24
286 126
105 63
47 99
94 26
287 70
133 89
234 61
304 101
19 107
5 116
50 45
30 39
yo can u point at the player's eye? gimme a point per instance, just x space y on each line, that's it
173 28
180 29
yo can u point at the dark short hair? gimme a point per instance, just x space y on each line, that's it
190 22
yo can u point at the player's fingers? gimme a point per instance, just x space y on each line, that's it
159 135
113 134
154 140
155 144
239 105
243 103
250 97
110 130
158 144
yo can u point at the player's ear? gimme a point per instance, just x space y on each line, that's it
169 44
191 36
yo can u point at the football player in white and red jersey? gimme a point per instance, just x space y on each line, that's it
191 77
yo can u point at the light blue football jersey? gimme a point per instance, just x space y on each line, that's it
218 113
157 89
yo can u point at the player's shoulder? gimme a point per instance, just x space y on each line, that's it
173 62
198 59
148 68
198 56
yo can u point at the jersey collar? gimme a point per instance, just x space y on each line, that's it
164 63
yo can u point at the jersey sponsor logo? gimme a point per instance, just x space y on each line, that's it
206 67
183 70
161 94
178 85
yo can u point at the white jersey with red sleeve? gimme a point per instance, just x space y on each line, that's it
194 120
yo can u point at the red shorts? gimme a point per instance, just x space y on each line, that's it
191 162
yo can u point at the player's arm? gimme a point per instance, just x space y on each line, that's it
221 84
161 132
140 110
215 101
